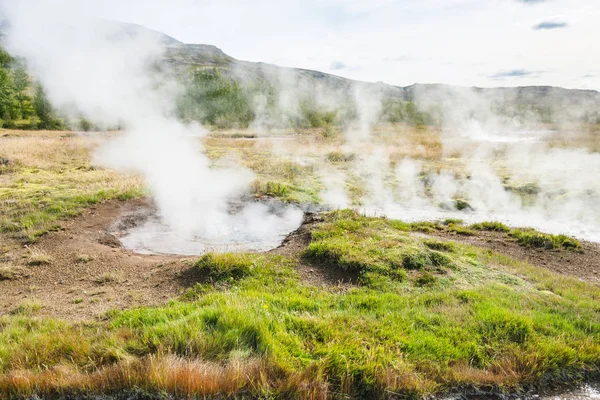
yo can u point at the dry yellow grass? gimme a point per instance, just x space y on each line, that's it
177 376
50 176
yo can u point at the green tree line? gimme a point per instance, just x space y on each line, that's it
23 105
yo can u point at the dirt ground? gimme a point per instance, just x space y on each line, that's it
86 273
315 274
584 264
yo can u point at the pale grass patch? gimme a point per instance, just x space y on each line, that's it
38 257
9 272
44 152
28 307
83 258
108 278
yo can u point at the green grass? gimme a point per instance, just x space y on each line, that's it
492 226
439 245
424 318
43 188
531 238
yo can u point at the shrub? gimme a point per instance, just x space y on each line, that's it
215 99
462 205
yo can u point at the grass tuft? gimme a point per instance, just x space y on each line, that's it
27 308
108 278
227 266
340 157
492 226
83 258
39 257
10 272
532 238
439 245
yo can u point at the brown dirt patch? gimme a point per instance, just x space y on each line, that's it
83 272
584 264
312 273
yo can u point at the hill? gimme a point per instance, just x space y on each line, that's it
224 92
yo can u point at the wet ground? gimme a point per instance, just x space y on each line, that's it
253 226
584 392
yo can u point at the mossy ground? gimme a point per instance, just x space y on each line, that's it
425 316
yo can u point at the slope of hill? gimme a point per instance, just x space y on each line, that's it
281 96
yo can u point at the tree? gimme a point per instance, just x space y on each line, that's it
21 83
9 106
42 108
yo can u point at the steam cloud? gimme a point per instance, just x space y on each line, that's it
100 70
90 66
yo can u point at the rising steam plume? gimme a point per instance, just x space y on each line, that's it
94 68
97 69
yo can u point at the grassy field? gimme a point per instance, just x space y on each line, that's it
424 316
48 176
421 316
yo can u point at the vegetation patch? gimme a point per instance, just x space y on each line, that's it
439 245
38 257
426 319
52 179
340 157
10 272
227 266
492 226
460 230
531 238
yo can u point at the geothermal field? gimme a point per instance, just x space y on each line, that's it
179 224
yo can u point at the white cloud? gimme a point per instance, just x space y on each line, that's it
463 42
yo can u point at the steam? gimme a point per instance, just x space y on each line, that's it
106 72
497 163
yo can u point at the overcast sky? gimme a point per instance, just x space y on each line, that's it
463 42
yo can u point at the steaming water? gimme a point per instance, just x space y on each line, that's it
237 234
513 136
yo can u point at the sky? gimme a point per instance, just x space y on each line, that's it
485 43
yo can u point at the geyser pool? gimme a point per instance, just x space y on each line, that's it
143 231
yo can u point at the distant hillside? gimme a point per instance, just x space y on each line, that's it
203 55
224 92
544 101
